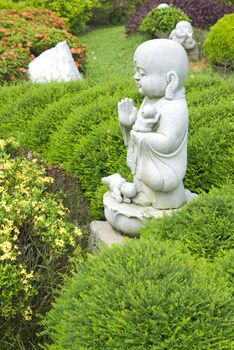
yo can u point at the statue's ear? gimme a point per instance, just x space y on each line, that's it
172 84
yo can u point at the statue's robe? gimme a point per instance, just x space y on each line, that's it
158 159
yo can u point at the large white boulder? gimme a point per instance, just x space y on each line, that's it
55 64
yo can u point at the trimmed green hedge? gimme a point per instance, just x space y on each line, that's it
143 295
24 102
219 44
75 125
162 21
205 225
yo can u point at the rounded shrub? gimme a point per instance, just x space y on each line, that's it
210 158
160 22
61 144
202 13
32 101
143 295
75 125
37 245
99 148
205 225
227 266
219 44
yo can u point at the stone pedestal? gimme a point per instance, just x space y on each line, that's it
103 233
193 54
129 218
123 218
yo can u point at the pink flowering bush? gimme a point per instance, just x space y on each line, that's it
25 34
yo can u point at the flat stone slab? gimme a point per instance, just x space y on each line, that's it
103 233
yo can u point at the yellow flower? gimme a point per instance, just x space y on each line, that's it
78 231
6 207
40 218
6 246
28 314
18 175
72 242
47 180
62 230
6 256
59 242
2 144
6 165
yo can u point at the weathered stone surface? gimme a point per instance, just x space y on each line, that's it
193 54
156 138
183 34
55 64
103 233
129 219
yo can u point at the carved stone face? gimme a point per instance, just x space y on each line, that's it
183 28
158 63
149 80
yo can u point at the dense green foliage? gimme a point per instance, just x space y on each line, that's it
219 45
147 294
227 2
75 13
160 22
114 11
202 13
143 295
205 225
10 5
25 34
37 244
64 124
80 12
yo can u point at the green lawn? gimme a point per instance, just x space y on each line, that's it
110 52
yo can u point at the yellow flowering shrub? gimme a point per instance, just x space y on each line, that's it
37 245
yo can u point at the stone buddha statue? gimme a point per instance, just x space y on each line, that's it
156 137
183 34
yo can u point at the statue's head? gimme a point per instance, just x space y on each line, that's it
162 6
183 28
161 66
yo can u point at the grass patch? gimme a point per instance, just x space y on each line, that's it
110 52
